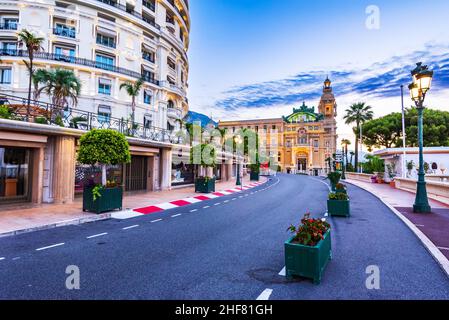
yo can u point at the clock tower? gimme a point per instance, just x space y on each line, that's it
328 108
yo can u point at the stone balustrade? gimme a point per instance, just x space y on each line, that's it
364 177
435 190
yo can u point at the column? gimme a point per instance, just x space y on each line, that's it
64 169
166 164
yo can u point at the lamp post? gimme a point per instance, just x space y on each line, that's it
238 140
422 79
344 146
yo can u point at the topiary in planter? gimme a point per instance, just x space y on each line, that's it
334 178
103 147
205 156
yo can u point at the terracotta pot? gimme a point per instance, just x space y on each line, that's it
393 184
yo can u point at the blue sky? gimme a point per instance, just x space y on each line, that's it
260 58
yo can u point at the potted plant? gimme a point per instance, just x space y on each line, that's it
334 178
338 204
373 179
205 156
340 188
391 170
255 172
308 251
410 165
103 147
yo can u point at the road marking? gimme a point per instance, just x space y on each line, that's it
226 201
326 214
131 227
206 207
419 225
217 204
2 258
233 199
16 258
240 196
441 248
156 220
52 246
97 235
194 210
176 215
283 272
265 295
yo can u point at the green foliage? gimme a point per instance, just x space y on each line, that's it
410 165
103 146
391 170
386 132
338 196
5 112
204 155
255 168
426 167
75 120
374 164
334 177
96 191
58 121
41 120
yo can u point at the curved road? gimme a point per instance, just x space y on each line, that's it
227 248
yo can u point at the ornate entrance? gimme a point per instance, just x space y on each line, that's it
302 164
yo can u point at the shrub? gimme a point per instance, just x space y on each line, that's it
334 177
59 121
310 232
103 147
338 196
5 112
255 168
41 120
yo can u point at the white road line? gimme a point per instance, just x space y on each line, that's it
206 207
2 258
131 227
419 225
97 235
441 248
226 201
265 295
326 214
283 272
52 246
240 196
16 258
194 210
233 199
217 204
176 215
156 220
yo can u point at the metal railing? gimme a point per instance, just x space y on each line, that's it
136 14
65 32
79 61
51 114
8 26
149 4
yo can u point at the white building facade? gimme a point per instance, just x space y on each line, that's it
105 43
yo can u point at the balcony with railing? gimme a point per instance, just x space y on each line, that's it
79 61
65 31
9 26
148 56
149 4
132 12
54 115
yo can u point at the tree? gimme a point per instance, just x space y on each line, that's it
345 143
357 113
386 131
33 44
133 90
103 147
352 153
39 76
61 85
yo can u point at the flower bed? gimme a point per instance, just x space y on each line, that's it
338 204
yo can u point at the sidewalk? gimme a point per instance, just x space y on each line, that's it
434 225
27 218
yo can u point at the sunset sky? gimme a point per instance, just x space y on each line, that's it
260 58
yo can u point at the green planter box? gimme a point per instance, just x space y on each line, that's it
338 208
205 186
111 199
254 176
306 261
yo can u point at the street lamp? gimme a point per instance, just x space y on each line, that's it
422 80
238 140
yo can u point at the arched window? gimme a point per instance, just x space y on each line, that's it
170 104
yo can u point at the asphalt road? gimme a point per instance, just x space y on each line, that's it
227 248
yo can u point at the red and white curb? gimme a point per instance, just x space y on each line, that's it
181 202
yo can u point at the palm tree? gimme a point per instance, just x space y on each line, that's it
63 86
352 156
358 113
346 143
39 76
133 90
33 44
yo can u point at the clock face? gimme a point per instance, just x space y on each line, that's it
302 131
